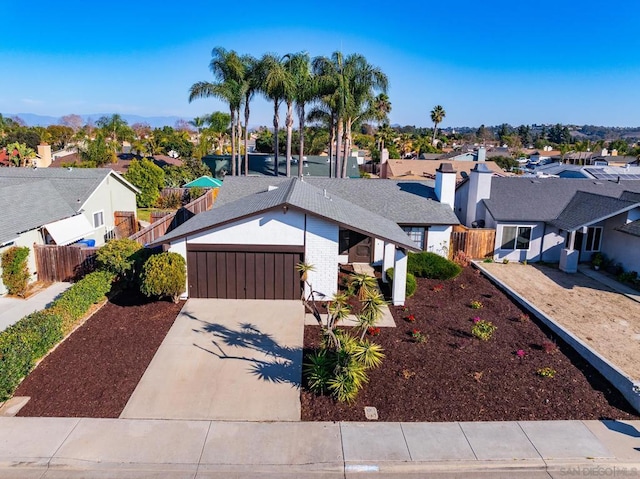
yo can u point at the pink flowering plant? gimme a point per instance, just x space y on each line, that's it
521 353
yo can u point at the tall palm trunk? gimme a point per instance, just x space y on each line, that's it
435 129
301 149
347 147
233 141
246 137
276 127
289 125
239 143
339 134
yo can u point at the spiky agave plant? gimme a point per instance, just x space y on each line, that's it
370 310
362 283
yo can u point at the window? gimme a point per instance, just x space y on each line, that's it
98 219
594 237
416 234
516 237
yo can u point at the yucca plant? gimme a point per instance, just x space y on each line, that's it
303 269
362 283
318 370
370 310
368 354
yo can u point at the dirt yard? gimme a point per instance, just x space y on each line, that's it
606 320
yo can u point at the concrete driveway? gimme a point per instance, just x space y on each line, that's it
229 360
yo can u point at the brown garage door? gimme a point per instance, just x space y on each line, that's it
244 272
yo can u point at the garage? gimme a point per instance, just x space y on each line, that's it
244 272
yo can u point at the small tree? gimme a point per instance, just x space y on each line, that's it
119 257
164 274
15 272
149 178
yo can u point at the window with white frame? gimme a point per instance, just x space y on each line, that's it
98 219
416 234
594 238
516 237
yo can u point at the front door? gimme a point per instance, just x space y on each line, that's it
357 246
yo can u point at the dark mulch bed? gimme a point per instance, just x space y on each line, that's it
456 377
95 370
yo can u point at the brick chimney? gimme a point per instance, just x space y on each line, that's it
479 189
446 184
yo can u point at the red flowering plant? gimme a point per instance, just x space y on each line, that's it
418 336
411 318
373 331
437 288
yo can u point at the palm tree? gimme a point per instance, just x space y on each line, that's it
116 128
305 91
251 81
228 70
437 115
274 83
361 81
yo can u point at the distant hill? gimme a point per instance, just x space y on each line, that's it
32 119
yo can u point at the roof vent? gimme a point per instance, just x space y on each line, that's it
271 188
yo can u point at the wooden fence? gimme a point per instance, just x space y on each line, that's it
174 219
63 263
477 243
125 223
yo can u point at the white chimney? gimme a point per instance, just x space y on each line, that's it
446 184
479 189
482 154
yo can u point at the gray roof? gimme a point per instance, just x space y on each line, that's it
404 202
533 199
44 195
299 195
588 208
632 228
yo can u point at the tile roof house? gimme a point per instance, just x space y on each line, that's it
426 169
60 206
247 246
563 220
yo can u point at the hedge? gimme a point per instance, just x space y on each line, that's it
411 284
25 342
431 265
15 272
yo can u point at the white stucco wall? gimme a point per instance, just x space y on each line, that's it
438 239
460 208
621 247
269 228
552 245
378 251
321 250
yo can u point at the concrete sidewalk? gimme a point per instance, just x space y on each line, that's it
14 309
72 448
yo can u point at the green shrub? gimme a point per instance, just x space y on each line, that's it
22 344
411 285
119 257
431 265
164 274
196 192
483 330
15 272
73 304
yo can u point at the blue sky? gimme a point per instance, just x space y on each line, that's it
484 62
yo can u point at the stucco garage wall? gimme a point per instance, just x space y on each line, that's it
25 239
269 228
535 244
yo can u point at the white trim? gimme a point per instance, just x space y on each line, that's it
515 239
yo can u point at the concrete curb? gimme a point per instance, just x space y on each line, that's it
621 381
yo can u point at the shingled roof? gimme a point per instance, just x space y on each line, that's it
298 195
533 199
588 208
404 202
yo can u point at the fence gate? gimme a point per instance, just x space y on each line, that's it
63 263
477 243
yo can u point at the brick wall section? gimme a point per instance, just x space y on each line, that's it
321 250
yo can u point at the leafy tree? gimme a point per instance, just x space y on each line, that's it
164 275
60 136
620 145
115 128
97 152
505 162
437 115
20 134
149 178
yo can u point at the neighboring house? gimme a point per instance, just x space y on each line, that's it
598 172
248 245
561 220
426 169
60 206
120 166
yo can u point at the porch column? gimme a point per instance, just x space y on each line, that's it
572 240
399 285
569 256
388 259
